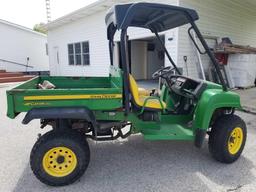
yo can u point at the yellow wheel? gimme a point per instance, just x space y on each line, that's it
60 158
59 161
227 138
235 140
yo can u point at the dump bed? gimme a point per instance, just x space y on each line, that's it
95 93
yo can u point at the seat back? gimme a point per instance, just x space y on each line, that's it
134 89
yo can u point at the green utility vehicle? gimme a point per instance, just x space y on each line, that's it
99 108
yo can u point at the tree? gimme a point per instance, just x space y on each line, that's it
40 28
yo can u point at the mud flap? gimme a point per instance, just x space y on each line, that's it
199 138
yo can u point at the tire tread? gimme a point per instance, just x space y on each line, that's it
51 136
218 136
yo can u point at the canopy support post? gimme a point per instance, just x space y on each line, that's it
125 66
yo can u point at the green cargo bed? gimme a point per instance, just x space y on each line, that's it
95 93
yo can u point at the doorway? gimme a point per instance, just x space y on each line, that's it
146 56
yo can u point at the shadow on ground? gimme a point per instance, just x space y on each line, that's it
138 165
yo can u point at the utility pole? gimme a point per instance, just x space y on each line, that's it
48 10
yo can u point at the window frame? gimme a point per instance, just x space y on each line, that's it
83 52
71 54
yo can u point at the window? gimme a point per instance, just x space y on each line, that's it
86 53
79 53
46 49
71 54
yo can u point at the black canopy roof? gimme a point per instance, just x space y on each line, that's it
153 16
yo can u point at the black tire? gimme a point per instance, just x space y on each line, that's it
52 140
220 138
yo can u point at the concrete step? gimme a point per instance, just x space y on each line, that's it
15 79
10 74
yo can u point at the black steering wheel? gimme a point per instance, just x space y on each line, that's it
162 72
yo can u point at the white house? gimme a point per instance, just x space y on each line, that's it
78 44
22 49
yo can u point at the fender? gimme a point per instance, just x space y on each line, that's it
211 100
61 113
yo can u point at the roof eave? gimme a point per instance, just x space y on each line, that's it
97 6
21 27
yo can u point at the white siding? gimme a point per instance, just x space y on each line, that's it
218 18
17 45
90 29
93 29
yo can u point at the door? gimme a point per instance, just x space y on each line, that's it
56 61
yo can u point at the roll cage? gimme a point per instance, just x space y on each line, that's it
156 18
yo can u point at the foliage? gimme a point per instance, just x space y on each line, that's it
40 28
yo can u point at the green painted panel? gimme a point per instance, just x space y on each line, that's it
210 100
168 132
95 93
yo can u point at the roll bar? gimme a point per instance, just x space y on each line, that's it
121 17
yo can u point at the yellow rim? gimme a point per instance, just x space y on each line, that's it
235 140
59 161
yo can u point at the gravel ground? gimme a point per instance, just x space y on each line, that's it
128 165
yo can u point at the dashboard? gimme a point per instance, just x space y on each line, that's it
186 87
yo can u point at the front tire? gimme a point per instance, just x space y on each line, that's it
60 158
227 138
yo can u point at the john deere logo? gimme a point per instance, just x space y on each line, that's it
36 103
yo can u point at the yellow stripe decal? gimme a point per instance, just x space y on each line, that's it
67 97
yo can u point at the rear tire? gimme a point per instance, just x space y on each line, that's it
60 158
227 138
